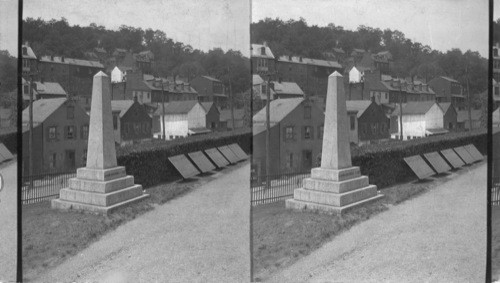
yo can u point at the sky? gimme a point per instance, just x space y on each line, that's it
203 24
496 9
441 24
9 26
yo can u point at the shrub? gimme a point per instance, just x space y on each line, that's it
384 164
148 162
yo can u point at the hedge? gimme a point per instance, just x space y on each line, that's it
384 164
148 162
10 141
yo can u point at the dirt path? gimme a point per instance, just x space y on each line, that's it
8 223
437 237
200 237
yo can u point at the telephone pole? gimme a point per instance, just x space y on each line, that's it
400 110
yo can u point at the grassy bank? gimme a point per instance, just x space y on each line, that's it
281 237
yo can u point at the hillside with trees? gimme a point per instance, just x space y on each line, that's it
57 37
296 37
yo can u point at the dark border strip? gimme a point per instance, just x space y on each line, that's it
19 273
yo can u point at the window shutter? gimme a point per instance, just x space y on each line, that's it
48 134
284 134
303 132
57 134
312 133
66 132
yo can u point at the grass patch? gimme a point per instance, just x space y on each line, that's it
50 236
281 237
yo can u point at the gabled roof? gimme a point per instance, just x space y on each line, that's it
417 107
449 79
358 105
71 61
50 88
256 51
29 51
207 105
176 107
257 80
279 109
211 79
43 108
309 61
121 105
445 106
287 88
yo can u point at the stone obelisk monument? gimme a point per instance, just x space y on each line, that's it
102 185
337 185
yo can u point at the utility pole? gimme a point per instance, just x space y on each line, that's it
231 97
400 110
163 109
468 96
31 132
268 132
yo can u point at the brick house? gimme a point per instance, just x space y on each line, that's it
296 136
60 134
30 61
372 121
448 90
210 90
262 59
74 75
131 122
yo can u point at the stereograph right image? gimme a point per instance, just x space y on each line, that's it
495 191
369 141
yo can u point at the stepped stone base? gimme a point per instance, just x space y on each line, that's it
100 191
333 191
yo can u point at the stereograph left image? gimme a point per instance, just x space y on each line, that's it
8 140
136 141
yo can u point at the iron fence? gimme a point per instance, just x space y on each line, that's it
44 186
281 187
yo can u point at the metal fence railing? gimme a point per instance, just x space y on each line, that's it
281 187
44 186
495 193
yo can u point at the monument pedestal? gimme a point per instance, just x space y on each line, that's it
99 190
333 191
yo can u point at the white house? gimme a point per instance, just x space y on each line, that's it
355 75
118 74
260 88
496 118
182 118
420 119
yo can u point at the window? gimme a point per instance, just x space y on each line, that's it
289 134
353 122
497 90
70 132
26 89
52 160
264 89
213 125
70 112
307 112
52 133
115 121
85 131
308 132
289 160
320 132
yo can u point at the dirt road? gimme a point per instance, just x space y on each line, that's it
200 237
437 237
8 223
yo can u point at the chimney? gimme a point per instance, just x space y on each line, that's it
42 80
290 58
300 58
62 59
280 79
264 43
